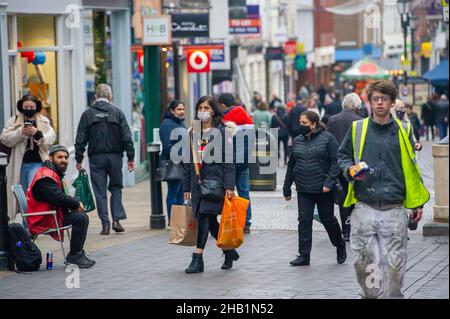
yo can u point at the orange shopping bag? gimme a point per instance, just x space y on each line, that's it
231 230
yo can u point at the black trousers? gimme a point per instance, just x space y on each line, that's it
283 140
80 224
325 206
345 212
206 224
427 131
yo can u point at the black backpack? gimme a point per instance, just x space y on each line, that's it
24 253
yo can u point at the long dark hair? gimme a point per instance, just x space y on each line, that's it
32 98
313 117
217 117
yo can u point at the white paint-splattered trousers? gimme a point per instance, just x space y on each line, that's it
379 239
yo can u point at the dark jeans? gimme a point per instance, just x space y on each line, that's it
427 129
243 188
325 206
175 195
80 224
104 166
442 126
345 212
206 224
283 140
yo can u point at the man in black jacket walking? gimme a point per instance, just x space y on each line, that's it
104 127
338 125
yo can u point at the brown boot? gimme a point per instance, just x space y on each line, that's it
117 227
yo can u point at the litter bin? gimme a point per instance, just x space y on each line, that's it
260 180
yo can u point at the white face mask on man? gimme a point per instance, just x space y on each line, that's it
204 116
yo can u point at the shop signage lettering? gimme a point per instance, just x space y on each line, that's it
157 30
190 25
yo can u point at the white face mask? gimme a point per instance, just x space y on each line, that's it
204 116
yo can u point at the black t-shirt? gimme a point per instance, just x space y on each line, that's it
32 151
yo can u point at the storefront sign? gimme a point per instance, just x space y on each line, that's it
157 30
290 48
250 25
219 54
426 49
144 8
274 53
301 63
198 60
190 25
445 9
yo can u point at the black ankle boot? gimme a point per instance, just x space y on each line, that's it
230 256
196 265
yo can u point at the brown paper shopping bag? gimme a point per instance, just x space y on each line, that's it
183 226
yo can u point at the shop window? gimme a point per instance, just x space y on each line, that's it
36 31
37 68
98 54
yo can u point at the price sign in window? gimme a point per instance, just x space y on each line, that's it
157 30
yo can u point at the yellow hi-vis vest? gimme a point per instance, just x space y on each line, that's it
416 193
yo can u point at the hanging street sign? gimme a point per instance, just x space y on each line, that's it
198 60
157 30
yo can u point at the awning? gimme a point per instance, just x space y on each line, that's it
365 69
355 54
439 75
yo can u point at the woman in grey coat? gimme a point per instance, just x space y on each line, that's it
208 137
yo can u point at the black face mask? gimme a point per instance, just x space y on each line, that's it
304 130
29 113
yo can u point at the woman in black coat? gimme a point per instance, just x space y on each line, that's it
314 168
173 119
208 137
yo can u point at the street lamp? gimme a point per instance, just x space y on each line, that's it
404 8
413 27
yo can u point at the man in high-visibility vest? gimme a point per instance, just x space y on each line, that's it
393 184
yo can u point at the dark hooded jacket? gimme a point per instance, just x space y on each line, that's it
105 128
170 123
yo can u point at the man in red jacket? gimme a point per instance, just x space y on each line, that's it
239 116
48 192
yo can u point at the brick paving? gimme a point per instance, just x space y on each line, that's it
140 263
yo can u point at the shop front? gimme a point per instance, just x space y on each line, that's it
39 54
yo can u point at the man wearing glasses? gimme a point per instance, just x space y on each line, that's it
391 185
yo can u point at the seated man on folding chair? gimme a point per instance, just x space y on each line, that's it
48 192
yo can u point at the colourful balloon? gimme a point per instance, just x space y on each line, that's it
39 58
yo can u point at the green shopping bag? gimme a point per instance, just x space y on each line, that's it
83 191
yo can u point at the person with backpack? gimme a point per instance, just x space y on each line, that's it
48 192
29 136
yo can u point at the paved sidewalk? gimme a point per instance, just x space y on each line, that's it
150 268
142 262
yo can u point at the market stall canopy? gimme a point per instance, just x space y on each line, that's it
365 69
439 75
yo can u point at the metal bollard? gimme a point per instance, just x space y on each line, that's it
157 218
4 258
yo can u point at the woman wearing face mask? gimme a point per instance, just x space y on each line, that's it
29 135
173 119
399 112
207 137
314 169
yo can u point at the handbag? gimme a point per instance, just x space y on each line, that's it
210 189
169 171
